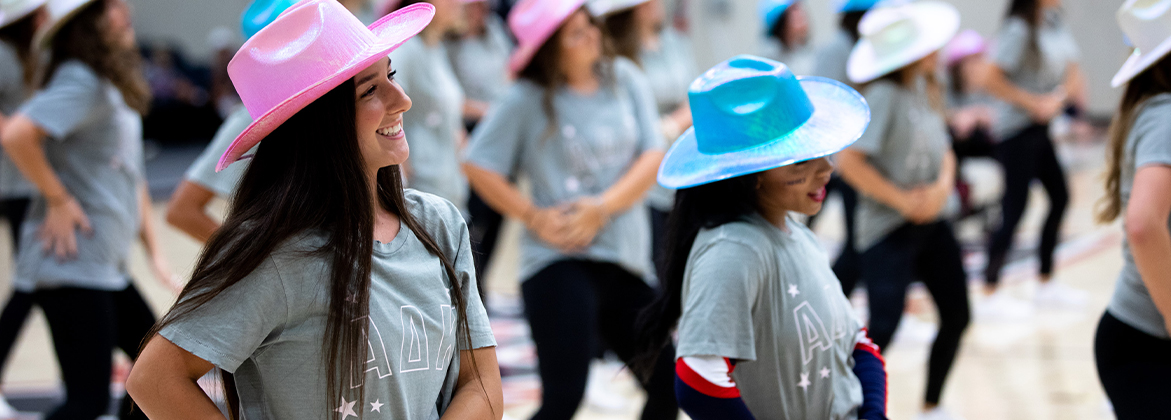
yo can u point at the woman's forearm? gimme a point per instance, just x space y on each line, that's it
187 211
633 185
999 86
23 141
163 383
148 232
477 398
500 194
861 175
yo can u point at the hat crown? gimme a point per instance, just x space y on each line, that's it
745 102
305 45
1146 23
771 11
534 20
890 31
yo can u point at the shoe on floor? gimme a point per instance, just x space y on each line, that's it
937 413
1000 307
1055 294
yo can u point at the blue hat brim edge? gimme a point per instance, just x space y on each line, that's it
839 118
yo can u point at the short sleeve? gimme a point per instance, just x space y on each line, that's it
1153 143
1073 53
646 111
496 142
202 171
721 289
66 102
880 97
1011 44
229 329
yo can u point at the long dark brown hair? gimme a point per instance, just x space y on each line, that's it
308 176
19 34
83 38
850 21
702 207
544 70
621 32
1152 81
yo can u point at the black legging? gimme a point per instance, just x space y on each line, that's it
483 229
1133 367
1027 156
573 307
928 253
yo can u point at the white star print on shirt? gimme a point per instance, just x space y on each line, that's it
347 409
376 406
793 290
824 372
804 384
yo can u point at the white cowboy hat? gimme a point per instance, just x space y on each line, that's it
895 36
599 8
1147 24
60 13
13 10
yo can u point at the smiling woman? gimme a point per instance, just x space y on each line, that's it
324 258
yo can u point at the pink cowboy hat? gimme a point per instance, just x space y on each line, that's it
313 47
964 45
533 22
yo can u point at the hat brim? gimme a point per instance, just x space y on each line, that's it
392 31
840 116
10 18
44 36
1139 61
939 24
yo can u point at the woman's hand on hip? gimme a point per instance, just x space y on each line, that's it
58 234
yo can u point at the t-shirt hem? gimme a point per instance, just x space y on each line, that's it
201 350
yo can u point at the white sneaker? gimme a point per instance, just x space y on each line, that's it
1001 307
600 394
6 410
1054 294
937 413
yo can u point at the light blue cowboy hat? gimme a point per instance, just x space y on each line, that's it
771 11
261 13
752 114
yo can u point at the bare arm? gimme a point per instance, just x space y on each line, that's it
163 383
1041 108
633 185
24 142
861 175
1150 240
481 398
1075 85
187 211
148 234
502 195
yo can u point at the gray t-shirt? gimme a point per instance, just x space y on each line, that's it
831 59
95 148
481 63
12 93
768 298
1038 70
1148 144
598 137
434 120
268 328
906 142
799 60
670 70
202 171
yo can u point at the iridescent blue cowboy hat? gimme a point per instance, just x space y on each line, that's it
752 114
261 13
771 11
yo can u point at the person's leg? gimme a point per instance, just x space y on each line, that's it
659 240
483 231
941 268
11 322
1052 177
846 267
1016 158
561 308
82 324
621 296
15 210
1133 367
135 319
889 269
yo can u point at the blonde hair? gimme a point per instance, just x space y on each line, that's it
1152 81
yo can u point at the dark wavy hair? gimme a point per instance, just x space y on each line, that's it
82 39
19 35
701 207
1152 81
544 70
308 176
621 33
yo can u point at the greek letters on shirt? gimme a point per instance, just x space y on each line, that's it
414 349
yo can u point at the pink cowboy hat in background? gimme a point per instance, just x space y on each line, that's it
310 49
966 44
533 22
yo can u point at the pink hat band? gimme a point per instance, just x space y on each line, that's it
534 22
313 47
